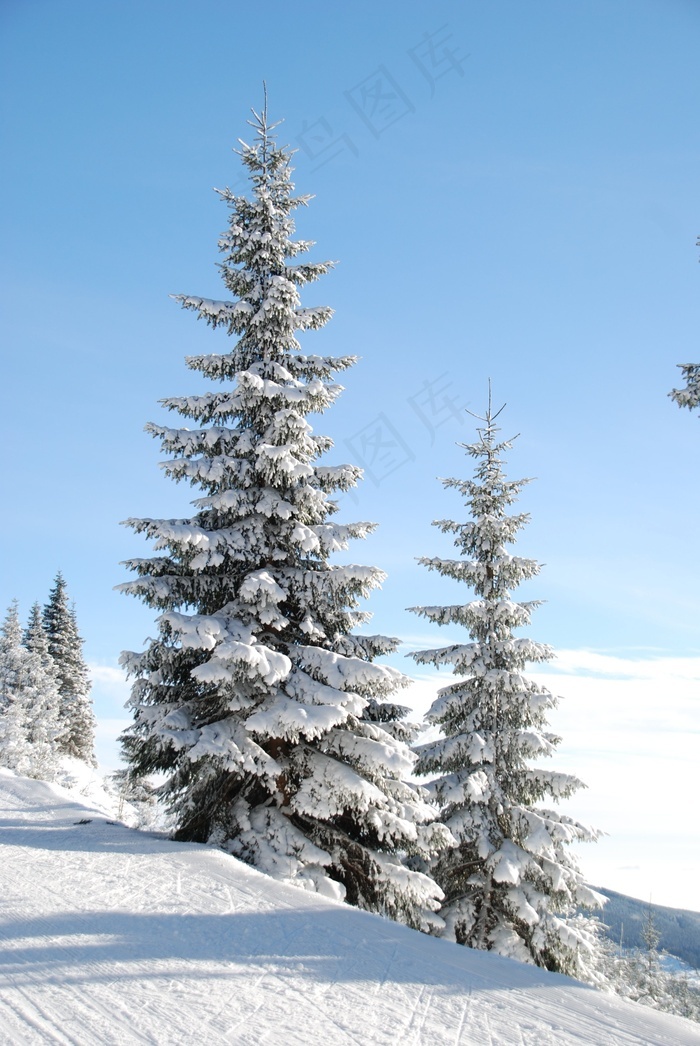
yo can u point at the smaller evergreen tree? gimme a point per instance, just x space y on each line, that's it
640 975
42 711
28 705
651 937
77 721
36 640
14 749
511 886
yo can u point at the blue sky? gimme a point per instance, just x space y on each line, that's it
511 191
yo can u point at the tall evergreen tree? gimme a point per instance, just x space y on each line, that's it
28 704
77 720
257 699
511 886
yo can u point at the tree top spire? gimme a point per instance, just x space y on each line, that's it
489 418
260 123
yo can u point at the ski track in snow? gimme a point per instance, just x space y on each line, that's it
113 936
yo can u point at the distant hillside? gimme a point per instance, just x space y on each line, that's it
679 929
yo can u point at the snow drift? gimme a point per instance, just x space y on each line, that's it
109 935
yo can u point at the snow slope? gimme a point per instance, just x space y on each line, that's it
113 936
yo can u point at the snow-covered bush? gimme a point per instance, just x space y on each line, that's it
136 799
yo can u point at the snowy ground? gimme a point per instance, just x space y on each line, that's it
113 936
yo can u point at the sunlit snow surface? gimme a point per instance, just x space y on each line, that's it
109 935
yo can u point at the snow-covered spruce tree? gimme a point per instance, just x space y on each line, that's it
511 886
77 720
14 748
638 974
43 721
257 700
37 641
28 702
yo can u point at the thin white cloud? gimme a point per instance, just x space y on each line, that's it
107 675
110 689
658 668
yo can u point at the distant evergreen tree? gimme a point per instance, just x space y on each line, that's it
36 640
28 704
43 723
77 721
651 937
511 886
640 974
257 700
14 747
